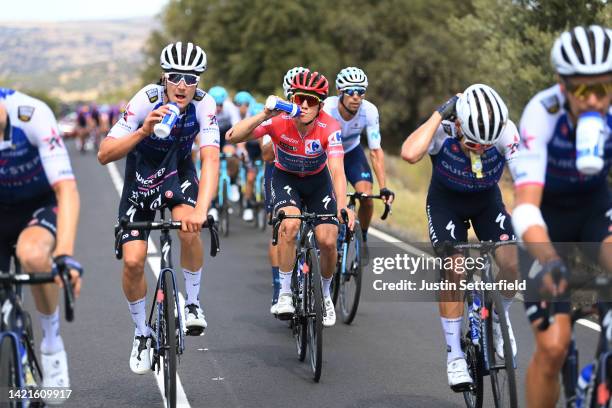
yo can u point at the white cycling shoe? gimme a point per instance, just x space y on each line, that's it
247 215
195 321
284 307
498 339
55 373
329 318
458 375
140 358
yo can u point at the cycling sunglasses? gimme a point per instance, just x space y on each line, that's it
353 91
311 100
582 91
176 77
473 145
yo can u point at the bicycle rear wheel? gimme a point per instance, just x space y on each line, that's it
475 360
503 378
224 212
315 313
169 333
9 370
350 280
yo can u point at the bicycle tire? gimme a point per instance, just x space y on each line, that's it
335 284
224 212
350 280
169 311
315 313
9 373
261 217
502 373
299 320
475 360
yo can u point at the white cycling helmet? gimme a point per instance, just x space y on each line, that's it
183 57
351 77
289 78
482 114
583 51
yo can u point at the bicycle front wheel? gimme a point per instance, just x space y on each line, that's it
169 330
315 313
300 319
350 280
224 211
503 377
9 370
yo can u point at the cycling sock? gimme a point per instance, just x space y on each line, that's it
275 283
51 340
452 332
192 286
285 281
139 316
326 285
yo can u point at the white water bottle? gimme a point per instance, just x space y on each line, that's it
590 133
163 128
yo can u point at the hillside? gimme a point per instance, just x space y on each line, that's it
73 60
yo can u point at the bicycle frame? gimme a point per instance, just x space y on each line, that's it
259 181
224 179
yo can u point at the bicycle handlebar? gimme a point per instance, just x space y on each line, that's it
482 246
42 278
359 196
276 221
124 224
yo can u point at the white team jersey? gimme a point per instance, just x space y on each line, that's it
366 117
33 156
547 154
200 119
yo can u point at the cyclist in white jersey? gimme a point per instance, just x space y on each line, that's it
556 201
40 211
160 173
354 114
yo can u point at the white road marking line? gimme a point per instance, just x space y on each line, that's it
154 263
410 249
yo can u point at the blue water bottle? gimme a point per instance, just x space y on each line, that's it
274 103
583 381
474 315
163 128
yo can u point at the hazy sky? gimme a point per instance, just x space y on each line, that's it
63 10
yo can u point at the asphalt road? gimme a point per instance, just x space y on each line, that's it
393 355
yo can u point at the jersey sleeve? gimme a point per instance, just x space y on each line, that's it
529 163
373 127
44 133
441 134
508 143
209 128
134 115
334 143
265 128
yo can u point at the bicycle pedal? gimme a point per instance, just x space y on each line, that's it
284 316
463 387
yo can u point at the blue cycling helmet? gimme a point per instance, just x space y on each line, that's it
219 94
243 98
255 108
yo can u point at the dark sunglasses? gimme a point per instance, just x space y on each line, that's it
176 77
353 91
311 100
582 91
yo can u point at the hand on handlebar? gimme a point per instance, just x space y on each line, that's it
553 278
351 217
387 195
67 263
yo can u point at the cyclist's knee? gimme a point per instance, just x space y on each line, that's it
33 257
550 354
289 229
327 243
189 238
133 265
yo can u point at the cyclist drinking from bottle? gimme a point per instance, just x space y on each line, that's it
308 150
562 192
159 173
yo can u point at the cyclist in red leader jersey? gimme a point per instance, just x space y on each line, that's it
305 148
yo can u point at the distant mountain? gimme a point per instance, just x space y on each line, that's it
73 60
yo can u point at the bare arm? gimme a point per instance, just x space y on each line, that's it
112 149
417 144
378 163
68 206
210 176
243 130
